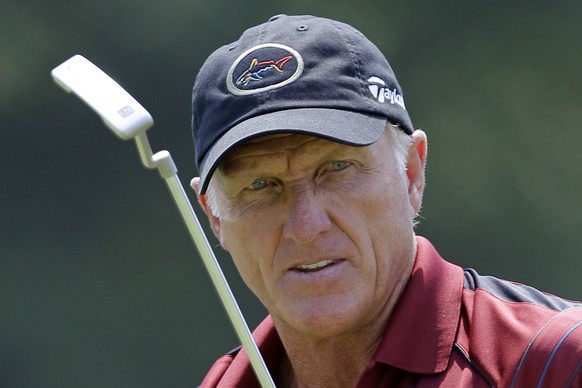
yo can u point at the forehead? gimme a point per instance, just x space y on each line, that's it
304 146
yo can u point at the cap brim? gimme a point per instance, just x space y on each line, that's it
353 128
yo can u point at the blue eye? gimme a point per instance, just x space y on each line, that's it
258 184
339 165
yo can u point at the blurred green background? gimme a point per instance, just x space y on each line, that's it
100 285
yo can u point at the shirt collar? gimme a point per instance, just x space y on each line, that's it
422 328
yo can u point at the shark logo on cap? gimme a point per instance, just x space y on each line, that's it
258 70
264 67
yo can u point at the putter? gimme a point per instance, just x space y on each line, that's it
129 120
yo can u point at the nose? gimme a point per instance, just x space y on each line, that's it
307 216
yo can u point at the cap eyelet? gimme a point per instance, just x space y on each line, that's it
302 28
279 16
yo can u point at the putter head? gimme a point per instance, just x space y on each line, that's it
117 108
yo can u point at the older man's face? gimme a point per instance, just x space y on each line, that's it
320 231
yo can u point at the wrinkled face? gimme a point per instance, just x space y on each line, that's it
320 231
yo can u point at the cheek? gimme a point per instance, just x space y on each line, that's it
380 219
251 248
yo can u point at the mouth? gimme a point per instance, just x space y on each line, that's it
316 266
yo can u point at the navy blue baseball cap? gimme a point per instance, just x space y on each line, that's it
302 74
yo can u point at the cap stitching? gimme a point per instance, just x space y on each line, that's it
261 97
357 62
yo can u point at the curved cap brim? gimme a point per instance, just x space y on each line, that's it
353 128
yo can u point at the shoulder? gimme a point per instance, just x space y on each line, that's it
535 337
218 369
553 357
234 369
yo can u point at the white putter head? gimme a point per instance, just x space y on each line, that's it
118 109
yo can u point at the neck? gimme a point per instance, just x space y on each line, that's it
332 363
337 361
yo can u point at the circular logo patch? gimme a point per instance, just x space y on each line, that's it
264 67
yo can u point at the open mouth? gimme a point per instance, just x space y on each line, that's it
316 266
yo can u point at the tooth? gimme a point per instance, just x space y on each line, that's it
319 264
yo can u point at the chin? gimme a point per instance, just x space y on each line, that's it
324 319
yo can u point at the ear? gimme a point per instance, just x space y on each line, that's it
214 220
415 165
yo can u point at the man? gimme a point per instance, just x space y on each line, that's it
311 174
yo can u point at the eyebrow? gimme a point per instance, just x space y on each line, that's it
237 166
248 162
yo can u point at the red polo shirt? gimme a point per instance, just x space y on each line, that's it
452 328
